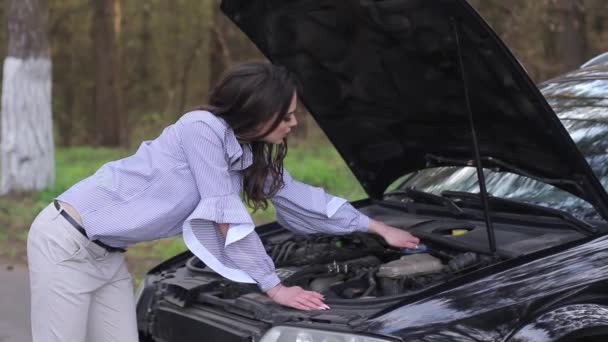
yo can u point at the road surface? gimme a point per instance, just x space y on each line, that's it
14 304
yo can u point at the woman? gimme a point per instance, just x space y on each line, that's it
188 180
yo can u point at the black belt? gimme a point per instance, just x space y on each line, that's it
79 228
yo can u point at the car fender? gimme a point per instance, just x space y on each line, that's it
563 321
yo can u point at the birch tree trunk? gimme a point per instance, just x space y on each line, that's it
26 138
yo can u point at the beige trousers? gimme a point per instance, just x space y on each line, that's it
79 291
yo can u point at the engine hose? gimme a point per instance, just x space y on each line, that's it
307 272
283 249
372 282
275 251
279 250
289 249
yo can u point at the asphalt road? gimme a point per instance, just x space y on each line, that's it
14 304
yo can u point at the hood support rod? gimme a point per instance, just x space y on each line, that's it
480 176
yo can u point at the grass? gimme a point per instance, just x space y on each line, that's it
318 164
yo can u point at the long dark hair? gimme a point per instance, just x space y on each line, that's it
247 96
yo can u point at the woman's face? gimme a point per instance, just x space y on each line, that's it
285 125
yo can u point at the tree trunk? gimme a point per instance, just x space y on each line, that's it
109 112
193 52
143 66
26 139
571 38
173 57
62 32
191 56
220 56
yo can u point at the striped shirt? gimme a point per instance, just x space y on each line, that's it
187 181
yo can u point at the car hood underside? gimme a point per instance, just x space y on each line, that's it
392 84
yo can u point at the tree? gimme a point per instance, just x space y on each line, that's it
569 30
26 139
145 51
220 56
68 76
110 119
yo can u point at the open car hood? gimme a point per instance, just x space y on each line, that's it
384 82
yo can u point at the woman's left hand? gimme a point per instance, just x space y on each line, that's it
394 236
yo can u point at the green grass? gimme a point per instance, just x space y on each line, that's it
74 164
322 166
318 165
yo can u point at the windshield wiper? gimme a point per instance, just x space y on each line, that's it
421 196
499 204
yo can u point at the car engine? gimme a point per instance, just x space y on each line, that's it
356 266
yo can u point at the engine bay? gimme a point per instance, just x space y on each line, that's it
355 266
363 266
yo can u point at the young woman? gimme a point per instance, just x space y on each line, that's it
187 181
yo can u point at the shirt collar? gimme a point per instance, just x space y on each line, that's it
239 155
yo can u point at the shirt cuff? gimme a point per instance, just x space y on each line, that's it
363 225
268 281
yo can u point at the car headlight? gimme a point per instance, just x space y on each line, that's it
294 334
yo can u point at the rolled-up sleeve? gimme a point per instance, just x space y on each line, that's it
307 209
240 256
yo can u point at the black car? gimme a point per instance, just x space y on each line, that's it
422 93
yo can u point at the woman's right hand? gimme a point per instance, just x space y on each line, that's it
297 297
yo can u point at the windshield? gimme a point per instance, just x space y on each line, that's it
582 106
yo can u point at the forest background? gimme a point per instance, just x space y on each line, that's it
152 60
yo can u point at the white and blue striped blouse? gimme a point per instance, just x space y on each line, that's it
186 181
